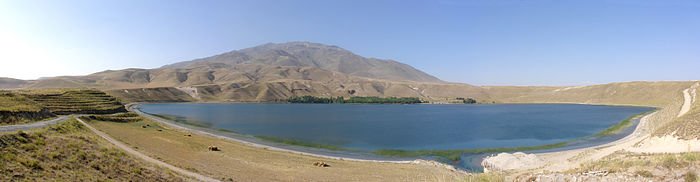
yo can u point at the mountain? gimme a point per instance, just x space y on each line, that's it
264 73
11 83
307 54
276 71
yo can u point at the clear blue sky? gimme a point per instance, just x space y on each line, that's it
521 42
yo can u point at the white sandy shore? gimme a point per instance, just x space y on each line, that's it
638 141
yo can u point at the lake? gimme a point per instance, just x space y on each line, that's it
406 127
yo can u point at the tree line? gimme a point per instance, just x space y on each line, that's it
354 100
467 100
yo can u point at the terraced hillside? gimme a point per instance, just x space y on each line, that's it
25 106
15 109
77 101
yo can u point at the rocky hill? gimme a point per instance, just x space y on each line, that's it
276 71
307 54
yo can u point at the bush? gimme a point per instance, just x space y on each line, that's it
355 100
467 100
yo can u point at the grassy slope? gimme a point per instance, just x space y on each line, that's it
621 93
644 164
13 102
245 163
25 106
17 109
77 101
685 127
68 151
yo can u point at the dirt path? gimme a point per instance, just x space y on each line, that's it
12 128
147 158
671 143
686 104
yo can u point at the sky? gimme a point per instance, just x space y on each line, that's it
491 42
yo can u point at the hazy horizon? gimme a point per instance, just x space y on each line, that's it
476 42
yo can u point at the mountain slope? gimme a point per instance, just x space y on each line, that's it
11 83
316 55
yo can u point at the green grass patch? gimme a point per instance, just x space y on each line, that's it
451 154
12 102
180 119
119 117
623 124
225 130
354 100
301 143
455 154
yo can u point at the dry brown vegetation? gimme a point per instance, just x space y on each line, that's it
661 167
78 101
685 127
241 162
13 102
639 93
68 151
25 106
18 109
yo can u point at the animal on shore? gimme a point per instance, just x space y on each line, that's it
213 148
321 164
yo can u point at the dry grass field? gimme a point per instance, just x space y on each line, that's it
68 151
239 162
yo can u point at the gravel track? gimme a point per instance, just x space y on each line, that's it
13 128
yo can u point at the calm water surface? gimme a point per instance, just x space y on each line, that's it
421 126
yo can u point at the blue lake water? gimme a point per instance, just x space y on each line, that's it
408 127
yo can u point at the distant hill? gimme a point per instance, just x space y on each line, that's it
307 54
276 71
9 83
264 73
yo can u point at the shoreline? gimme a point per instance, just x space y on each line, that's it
557 161
497 103
201 131
592 141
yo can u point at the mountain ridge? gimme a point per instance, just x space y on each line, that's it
332 58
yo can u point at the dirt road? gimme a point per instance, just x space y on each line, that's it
147 158
12 128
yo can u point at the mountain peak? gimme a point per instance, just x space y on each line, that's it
328 57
